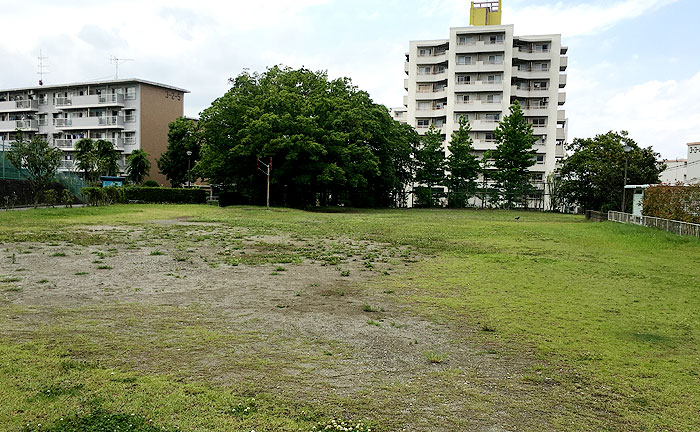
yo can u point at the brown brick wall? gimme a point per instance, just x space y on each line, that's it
159 107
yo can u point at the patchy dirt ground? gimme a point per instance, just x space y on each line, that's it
267 312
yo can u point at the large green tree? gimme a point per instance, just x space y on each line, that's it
183 136
513 157
430 168
96 158
593 174
463 166
39 159
329 143
137 166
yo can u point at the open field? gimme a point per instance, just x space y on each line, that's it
196 318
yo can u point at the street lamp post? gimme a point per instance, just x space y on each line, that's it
627 150
189 178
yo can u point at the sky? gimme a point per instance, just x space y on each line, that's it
633 64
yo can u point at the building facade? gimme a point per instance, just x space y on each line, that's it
477 73
685 171
132 114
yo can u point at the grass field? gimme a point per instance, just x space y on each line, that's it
196 318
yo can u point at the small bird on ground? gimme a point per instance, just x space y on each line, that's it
517 218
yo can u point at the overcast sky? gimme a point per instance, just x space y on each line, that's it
633 64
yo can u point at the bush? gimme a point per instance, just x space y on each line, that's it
681 203
229 198
113 195
150 184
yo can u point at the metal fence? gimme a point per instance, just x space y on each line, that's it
676 227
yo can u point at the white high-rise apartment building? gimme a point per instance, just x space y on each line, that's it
478 73
131 113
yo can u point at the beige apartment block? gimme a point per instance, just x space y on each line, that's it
477 73
130 113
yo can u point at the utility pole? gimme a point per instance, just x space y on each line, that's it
41 66
268 166
116 62
627 150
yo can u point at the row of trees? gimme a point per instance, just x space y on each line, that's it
331 145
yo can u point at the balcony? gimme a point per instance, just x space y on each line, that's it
65 144
530 55
561 134
559 150
442 94
109 122
481 66
562 81
405 101
535 109
563 63
561 116
539 130
526 73
405 67
483 125
433 77
480 46
67 165
405 84
562 98
22 125
433 58
479 105
19 106
526 92
432 112
89 101
475 86
423 129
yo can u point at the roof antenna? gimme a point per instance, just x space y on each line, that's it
41 67
116 62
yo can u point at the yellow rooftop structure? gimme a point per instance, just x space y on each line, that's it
484 13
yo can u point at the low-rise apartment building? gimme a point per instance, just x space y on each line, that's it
685 171
130 113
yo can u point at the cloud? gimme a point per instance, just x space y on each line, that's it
665 114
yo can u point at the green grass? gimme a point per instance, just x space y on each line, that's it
610 312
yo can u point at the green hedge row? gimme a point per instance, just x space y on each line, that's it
113 195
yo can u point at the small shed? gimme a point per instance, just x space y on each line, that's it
112 181
638 197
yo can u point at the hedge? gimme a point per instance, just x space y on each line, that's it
113 194
681 203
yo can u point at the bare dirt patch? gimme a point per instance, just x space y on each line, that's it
266 312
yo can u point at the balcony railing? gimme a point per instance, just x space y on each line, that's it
89 100
20 105
23 125
89 122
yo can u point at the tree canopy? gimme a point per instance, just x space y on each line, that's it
463 166
183 136
39 159
430 168
96 158
330 143
137 166
593 175
513 157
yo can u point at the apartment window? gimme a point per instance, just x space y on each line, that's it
464 60
496 39
493 118
130 116
43 99
539 85
439 122
464 79
542 48
542 67
423 106
489 137
461 116
540 159
465 40
493 98
493 79
130 93
463 98
425 52
424 88
496 59
440 69
43 120
439 87
539 122
424 70
423 123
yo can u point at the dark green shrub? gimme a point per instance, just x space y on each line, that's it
229 198
166 195
150 183
50 197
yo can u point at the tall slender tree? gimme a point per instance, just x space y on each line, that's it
513 157
183 136
137 166
463 166
430 168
